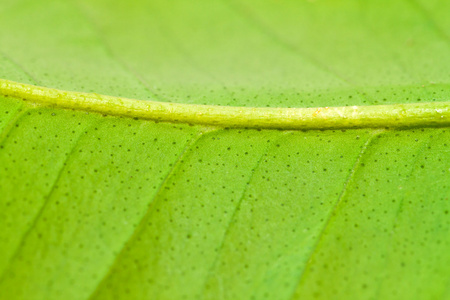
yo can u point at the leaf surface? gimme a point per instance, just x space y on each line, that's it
98 206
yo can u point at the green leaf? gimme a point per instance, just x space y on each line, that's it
102 198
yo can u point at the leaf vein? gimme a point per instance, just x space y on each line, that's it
235 212
141 226
278 40
41 210
109 52
334 209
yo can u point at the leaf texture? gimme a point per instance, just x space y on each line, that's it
97 206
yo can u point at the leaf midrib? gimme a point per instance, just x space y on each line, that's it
372 116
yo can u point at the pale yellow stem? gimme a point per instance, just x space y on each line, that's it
374 116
